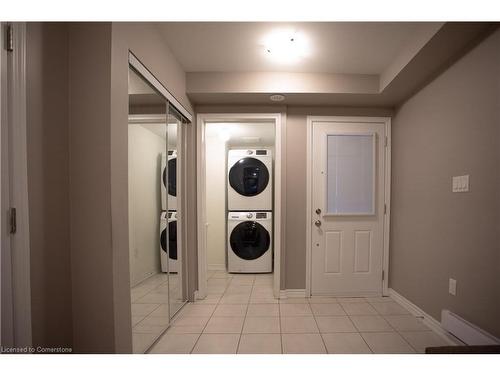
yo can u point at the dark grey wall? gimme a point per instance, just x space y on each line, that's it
90 187
450 128
48 183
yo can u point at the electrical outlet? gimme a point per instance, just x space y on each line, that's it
452 287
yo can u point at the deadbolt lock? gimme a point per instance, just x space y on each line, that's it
318 210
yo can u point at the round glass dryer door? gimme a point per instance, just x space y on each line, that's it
172 239
163 240
172 177
249 240
249 177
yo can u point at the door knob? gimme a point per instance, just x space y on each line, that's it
317 223
318 210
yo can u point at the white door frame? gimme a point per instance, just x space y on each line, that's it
202 119
15 252
387 192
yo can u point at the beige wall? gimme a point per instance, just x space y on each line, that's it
48 183
450 128
144 159
216 202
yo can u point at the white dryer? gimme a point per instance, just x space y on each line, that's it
250 242
169 262
250 180
169 183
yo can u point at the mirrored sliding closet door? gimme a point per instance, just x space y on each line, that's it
156 252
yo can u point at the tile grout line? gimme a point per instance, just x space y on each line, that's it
358 331
317 326
162 332
405 340
228 285
176 316
245 317
281 331
211 315
394 330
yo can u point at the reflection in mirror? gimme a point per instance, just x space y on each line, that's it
148 213
176 280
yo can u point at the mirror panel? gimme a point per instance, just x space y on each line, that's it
148 212
177 295
157 255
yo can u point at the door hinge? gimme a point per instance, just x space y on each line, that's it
385 142
383 275
9 41
385 208
13 220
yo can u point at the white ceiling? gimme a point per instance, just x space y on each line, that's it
335 47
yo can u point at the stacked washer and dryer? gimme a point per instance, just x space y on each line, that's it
250 217
168 219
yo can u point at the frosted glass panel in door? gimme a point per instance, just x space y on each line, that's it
350 174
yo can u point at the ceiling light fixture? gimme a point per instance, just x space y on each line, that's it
277 98
286 46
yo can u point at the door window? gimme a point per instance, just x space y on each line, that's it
350 174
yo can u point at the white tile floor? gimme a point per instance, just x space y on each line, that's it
150 308
240 315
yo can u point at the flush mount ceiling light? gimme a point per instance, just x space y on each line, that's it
277 98
286 46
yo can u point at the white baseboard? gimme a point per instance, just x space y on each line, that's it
428 320
292 293
466 331
216 267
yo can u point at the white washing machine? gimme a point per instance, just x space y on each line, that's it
250 242
169 262
250 180
169 182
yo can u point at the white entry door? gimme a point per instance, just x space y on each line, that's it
348 207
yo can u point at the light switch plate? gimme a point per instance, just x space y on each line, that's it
460 184
452 287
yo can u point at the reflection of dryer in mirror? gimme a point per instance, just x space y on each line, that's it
169 182
250 237
169 263
250 180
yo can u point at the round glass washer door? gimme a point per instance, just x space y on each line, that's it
172 177
249 240
172 239
249 176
